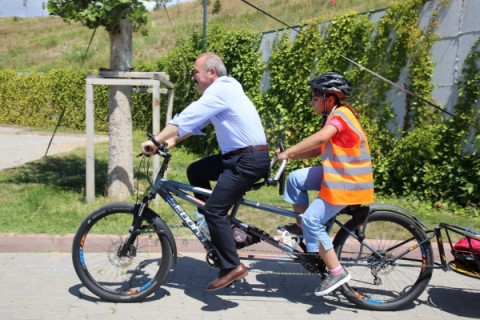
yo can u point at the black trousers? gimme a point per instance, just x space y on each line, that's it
234 176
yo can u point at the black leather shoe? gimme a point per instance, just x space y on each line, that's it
226 277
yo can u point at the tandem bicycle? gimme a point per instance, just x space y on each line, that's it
123 252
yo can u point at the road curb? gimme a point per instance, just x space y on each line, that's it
11 243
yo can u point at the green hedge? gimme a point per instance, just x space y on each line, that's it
39 99
430 157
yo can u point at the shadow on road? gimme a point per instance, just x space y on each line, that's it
458 301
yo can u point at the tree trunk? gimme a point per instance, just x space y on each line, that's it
120 167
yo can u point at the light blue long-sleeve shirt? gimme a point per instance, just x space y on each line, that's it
225 105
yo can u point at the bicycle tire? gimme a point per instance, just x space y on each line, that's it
378 282
122 279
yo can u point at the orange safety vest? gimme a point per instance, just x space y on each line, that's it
347 172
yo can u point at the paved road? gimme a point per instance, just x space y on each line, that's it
38 284
45 286
22 145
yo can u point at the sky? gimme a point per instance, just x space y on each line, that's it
15 8
33 8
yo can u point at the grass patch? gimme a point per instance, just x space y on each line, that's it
61 44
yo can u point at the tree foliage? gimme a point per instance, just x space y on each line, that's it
106 13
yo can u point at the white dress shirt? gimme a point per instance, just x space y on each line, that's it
225 105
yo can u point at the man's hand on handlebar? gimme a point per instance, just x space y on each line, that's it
149 148
152 146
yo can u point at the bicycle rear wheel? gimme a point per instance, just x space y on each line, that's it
388 270
106 271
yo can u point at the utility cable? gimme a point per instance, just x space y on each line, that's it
268 14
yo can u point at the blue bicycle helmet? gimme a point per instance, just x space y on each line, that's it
332 83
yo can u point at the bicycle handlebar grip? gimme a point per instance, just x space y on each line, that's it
148 148
280 174
281 145
281 178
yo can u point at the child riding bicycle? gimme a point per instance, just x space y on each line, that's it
344 178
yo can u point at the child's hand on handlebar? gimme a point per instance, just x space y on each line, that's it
281 155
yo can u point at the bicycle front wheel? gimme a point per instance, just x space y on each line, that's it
390 260
115 269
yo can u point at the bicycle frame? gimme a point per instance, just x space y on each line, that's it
168 190
165 188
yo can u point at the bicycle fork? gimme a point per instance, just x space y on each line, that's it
127 247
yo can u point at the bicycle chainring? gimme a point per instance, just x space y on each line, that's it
314 264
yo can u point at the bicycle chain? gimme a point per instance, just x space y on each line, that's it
305 273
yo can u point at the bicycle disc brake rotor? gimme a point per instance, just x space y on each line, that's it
118 261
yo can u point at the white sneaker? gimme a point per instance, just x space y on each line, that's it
292 228
288 239
332 282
